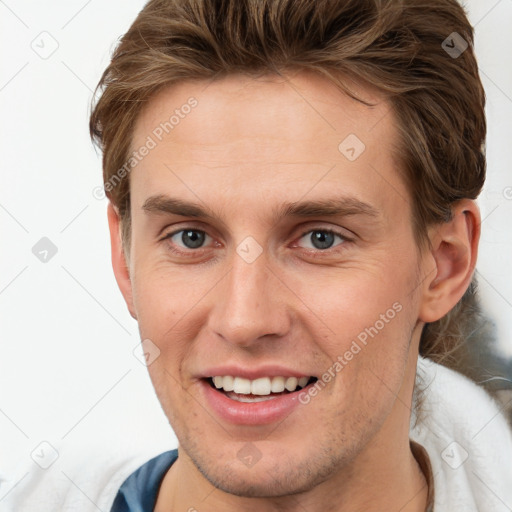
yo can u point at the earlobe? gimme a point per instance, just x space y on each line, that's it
119 263
454 250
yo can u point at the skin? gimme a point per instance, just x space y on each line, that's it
250 146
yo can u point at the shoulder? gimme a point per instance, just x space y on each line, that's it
139 491
467 438
78 477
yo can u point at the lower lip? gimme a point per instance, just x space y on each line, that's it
255 413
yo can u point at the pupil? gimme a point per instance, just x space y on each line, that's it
192 239
322 240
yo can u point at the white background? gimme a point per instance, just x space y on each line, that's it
68 374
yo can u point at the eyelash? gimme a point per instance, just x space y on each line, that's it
315 253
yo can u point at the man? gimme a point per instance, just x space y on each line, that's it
293 226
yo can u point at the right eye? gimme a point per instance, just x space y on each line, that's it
187 238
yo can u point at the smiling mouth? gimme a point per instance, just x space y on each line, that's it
258 390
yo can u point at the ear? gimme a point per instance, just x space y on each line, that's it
119 264
451 260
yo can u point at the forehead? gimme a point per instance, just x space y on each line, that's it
270 137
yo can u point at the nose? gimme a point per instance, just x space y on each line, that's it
249 304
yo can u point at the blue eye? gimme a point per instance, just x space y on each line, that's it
322 239
190 238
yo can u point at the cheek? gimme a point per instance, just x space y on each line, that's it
370 318
163 297
171 311
350 302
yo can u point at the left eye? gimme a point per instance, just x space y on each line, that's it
190 238
321 239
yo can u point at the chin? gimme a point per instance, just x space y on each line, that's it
250 485
272 479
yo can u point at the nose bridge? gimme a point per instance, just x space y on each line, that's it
247 305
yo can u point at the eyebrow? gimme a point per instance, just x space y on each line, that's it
340 206
162 204
343 206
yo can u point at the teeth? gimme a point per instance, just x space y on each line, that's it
250 400
278 384
303 381
262 386
228 383
241 386
291 383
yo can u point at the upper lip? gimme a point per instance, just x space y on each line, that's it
252 373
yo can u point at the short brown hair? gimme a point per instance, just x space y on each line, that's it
419 54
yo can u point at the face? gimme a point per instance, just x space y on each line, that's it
272 246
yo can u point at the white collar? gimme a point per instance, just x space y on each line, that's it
467 439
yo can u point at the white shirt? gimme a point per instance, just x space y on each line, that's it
467 439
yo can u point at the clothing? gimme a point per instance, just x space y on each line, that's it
467 439
460 439
138 493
